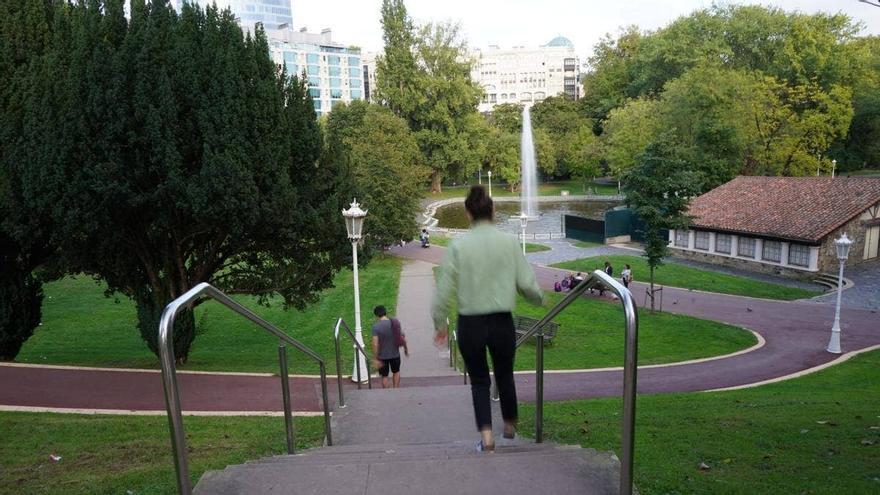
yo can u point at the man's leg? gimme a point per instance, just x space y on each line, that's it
502 347
395 380
472 343
395 372
383 372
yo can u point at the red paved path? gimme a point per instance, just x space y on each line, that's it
796 335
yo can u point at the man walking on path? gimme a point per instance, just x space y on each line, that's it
386 347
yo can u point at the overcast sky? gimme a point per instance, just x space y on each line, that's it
534 22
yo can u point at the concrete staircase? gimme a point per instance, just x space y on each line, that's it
418 440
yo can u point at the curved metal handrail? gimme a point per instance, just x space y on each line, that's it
630 350
169 374
367 357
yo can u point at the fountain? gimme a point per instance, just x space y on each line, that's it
529 168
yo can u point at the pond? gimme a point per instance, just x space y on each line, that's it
453 216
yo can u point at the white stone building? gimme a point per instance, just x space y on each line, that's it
334 71
526 75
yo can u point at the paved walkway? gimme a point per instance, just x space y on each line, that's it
566 250
865 293
796 334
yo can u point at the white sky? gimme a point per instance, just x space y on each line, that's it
534 22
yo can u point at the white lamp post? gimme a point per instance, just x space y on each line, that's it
490 182
523 221
833 167
480 177
843 244
354 223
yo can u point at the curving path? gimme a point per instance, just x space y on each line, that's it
795 332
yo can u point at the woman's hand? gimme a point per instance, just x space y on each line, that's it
440 337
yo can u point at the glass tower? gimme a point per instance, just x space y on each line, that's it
271 13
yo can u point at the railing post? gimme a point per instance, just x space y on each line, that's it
357 361
285 394
339 372
630 360
172 400
327 429
539 387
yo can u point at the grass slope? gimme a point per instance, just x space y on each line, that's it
530 247
130 454
691 278
82 327
819 434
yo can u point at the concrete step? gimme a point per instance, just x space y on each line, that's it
560 472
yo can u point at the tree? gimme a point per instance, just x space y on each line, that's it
397 82
502 156
507 117
607 82
384 159
21 297
168 150
658 189
628 130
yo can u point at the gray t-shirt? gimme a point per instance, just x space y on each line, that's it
387 346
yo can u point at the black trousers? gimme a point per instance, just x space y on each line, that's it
494 331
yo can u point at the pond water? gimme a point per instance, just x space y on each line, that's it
454 217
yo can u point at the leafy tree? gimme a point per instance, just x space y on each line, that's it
384 159
21 297
581 155
502 156
507 117
397 71
607 83
861 148
168 150
628 130
658 189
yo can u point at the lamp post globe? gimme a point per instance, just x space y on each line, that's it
354 224
842 245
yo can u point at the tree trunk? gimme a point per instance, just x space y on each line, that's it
652 289
436 187
149 313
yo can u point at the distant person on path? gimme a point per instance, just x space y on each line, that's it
386 347
609 270
425 238
483 271
626 276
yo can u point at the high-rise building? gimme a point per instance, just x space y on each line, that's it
271 13
369 66
526 75
334 71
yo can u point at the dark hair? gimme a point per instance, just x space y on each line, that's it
379 311
479 204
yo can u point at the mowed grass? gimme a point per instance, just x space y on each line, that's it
130 454
688 277
545 189
82 327
530 247
591 335
818 434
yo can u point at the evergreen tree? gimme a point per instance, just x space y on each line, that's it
396 69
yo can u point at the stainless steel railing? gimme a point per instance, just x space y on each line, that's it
340 323
169 375
630 361
452 345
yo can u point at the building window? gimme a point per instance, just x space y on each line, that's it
291 69
722 243
493 98
798 255
355 94
334 71
354 83
314 70
525 97
317 104
333 60
354 61
312 58
512 96
314 81
746 247
315 92
681 238
290 57
354 72
335 82
772 251
335 93
701 240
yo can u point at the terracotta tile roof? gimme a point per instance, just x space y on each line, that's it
795 208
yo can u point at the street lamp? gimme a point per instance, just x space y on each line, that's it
354 223
843 244
523 221
833 167
490 183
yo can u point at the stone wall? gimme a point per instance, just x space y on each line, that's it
828 251
742 264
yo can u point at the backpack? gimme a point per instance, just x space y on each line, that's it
397 331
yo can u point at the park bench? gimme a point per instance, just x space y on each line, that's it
523 324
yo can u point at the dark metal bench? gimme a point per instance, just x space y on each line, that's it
523 324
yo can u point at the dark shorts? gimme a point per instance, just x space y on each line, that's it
394 364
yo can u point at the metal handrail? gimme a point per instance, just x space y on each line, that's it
341 323
630 350
169 374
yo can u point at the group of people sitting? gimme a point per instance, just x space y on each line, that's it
569 282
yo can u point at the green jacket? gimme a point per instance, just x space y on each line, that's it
484 270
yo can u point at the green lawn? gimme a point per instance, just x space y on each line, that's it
691 278
438 240
869 172
82 327
591 336
545 189
130 454
588 244
819 434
